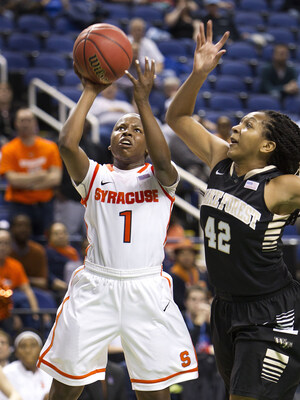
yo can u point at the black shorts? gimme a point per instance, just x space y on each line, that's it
257 343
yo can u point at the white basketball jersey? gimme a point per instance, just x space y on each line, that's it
127 216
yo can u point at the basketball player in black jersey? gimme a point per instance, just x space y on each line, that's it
253 193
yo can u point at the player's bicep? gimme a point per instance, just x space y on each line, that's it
77 164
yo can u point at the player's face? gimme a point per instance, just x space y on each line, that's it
28 352
128 144
247 137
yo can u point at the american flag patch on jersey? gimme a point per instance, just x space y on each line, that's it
251 185
141 177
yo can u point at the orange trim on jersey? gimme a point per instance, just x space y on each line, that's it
78 271
164 379
171 207
96 371
143 168
169 282
164 190
83 201
51 344
110 167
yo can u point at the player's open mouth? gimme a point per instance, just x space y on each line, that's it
233 141
125 142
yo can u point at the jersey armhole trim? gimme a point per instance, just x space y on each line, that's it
84 201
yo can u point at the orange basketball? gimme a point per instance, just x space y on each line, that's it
102 52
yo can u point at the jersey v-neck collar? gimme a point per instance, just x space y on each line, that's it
250 173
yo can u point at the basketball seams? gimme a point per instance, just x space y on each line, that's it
100 52
112 40
88 47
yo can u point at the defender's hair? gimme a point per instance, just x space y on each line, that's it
286 156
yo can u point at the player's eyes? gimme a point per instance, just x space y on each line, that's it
138 130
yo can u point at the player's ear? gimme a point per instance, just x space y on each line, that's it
109 147
268 146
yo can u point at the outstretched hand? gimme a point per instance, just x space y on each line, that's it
207 54
144 82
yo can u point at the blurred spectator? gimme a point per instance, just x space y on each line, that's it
143 46
184 271
67 206
31 254
7 389
31 382
108 109
293 6
5 348
183 20
209 384
7 113
32 167
175 234
224 128
112 388
222 21
278 78
197 318
61 256
13 275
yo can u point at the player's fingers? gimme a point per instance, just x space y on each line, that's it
128 74
147 68
153 68
223 40
138 68
201 36
209 31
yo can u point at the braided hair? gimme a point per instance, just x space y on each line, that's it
286 134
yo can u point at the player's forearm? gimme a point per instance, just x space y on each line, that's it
183 103
72 130
156 144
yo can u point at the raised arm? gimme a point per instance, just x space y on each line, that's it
74 157
156 144
206 146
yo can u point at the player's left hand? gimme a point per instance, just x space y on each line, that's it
144 82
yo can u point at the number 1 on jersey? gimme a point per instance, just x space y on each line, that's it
127 225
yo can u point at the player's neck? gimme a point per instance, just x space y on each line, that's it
128 165
242 168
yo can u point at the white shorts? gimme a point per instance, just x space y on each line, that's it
103 303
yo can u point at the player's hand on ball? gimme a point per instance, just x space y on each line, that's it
87 83
144 82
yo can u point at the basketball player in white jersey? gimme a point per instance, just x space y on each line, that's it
121 288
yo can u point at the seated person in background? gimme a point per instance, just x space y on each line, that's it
59 254
144 47
13 275
209 384
182 19
222 21
278 78
31 254
7 389
32 167
7 113
5 348
184 270
31 382
197 317
223 130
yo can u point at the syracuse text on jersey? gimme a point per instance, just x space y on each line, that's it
232 205
110 196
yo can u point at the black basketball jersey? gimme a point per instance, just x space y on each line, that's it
242 238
